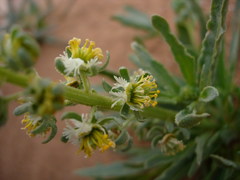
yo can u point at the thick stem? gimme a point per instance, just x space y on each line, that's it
87 98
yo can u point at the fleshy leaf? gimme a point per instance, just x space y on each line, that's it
187 119
107 87
145 61
185 61
208 94
71 115
225 161
23 108
210 50
124 73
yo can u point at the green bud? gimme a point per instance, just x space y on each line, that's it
19 50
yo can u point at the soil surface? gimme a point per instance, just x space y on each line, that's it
25 158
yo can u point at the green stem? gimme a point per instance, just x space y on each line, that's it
13 97
87 98
85 81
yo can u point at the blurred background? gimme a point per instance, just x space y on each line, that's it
26 158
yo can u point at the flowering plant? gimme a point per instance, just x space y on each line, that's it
189 121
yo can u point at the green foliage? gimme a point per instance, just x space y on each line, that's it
30 16
204 103
190 123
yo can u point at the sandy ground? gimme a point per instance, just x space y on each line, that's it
25 158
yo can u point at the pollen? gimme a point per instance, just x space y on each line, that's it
144 92
85 52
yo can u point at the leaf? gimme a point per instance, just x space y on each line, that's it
192 170
71 115
158 160
187 118
41 128
124 111
103 67
64 139
60 66
107 87
118 169
109 73
208 94
210 46
178 169
52 134
185 61
122 138
200 142
23 108
135 18
225 161
155 140
144 60
124 73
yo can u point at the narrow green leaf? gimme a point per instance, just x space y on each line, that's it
103 67
60 66
145 61
108 73
64 139
124 73
208 94
155 130
71 115
122 138
124 110
201 142
158 160
128 145
136 19
225 161
211 44
193 168
52 134
118 169
187 118
155 140
179 168
185 61
107 87
23 108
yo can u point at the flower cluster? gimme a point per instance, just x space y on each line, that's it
31 123
169 145
87 135
141 91
78 58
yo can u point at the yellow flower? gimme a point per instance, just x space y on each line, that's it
96 139
31 123
87 136
86 52
139 93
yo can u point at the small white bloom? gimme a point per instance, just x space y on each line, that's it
93 62
120 82
75 129
72 65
